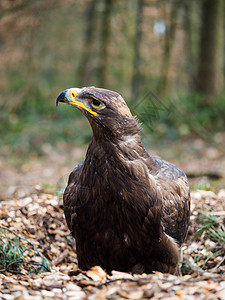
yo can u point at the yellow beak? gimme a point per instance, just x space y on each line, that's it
70 96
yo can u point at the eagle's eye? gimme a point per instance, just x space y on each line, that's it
96 103
73 96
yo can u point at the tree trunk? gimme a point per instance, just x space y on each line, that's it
211 55
136 77
191 27
84 69
104 42
163 85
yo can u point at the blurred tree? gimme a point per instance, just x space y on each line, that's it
211 54
191 27
137 57
163 85
8 7
16 18
84 70
104 43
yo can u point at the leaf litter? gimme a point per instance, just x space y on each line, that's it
34 236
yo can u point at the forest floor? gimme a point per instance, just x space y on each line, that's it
33 232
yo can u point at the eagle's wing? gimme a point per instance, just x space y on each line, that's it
70 200
174 188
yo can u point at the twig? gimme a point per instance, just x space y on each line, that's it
208 276
21 261
217 266
10 264
60 258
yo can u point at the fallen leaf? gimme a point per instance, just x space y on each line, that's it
179 293
211 286
96 273
135 294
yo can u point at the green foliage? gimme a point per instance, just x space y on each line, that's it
43 266
14 255
202 186
37 121
26 131
44 45
210 226
181 117
207 222
212 231
217 235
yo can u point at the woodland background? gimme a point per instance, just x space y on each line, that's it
167 59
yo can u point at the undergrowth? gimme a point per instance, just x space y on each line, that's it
19 255
37 121
211 227
210 237
183 116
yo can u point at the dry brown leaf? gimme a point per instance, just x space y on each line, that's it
88 283
134 294
59 232
96 273
179 293
120 275
211 286
47 223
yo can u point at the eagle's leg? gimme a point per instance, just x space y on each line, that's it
165 258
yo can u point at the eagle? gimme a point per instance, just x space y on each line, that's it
127 210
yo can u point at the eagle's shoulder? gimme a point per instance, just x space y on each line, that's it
166 170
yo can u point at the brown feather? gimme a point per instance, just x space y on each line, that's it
128 211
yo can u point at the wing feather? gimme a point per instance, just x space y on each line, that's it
175 192
70 197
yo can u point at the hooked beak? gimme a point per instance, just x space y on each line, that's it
70 96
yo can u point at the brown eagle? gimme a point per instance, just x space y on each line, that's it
127 210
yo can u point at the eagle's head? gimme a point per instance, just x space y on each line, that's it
106 111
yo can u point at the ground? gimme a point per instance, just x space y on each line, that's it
31 207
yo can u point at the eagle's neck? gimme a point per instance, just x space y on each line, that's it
131 147
127 152
117 148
